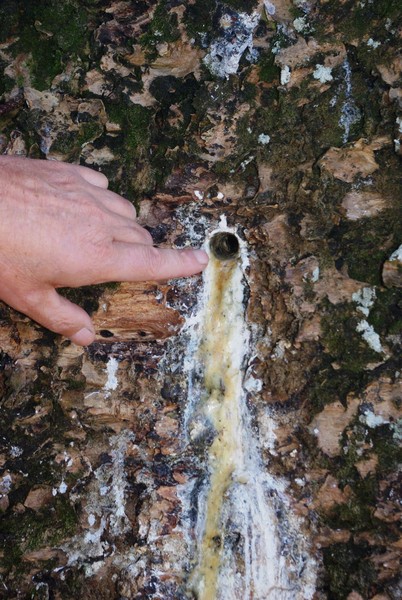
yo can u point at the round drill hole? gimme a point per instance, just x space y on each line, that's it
224 245
106 333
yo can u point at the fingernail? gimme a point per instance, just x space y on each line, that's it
83 337
201 257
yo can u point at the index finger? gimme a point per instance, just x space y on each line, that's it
138 262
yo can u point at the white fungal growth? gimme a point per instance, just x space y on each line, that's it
397 255
16 451
111 370
323 74
285 75
372 420
5 485
300 24
315 275
62 487
264 138
373 43
364 299
105 507
269 7
225 52
369 335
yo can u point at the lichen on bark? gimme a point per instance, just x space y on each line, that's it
285 117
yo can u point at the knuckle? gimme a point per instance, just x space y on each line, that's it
103 261
61 324
146 235
154 263
90 209
31 300
103 177
129 207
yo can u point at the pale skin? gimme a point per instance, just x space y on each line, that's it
61 227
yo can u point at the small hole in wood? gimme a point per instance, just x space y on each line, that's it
224 245
106 333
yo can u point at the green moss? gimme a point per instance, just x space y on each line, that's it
386 447
247 135
89 132
12 555
355 515
65 521
32 530
50 32
198 18
354 20
241 5
358 22
323 119
386 314
248 92
269 71
341 340
132 146
6 82
9 12
78 383
280 118
138 121
366 244
163 28
135 122
69 143
347 569
328 384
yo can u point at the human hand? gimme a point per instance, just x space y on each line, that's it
61 227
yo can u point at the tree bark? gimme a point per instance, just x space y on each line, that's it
285 119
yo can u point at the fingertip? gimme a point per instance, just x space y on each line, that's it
142 262
201 257
83 337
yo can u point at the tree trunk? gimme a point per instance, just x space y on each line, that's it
235 435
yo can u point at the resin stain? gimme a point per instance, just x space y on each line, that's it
242 548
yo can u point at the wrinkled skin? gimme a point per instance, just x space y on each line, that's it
61 227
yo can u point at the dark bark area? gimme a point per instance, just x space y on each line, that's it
285 117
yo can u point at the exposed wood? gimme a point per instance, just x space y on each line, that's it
284 119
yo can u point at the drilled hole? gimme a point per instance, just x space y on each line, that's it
224 245
106 333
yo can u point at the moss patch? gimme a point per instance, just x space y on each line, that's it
341 340
163 28
51 33
348 569
366 244
386 313
199 18
32 530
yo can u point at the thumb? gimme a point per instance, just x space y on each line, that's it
58 314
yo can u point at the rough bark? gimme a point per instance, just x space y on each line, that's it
285 117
